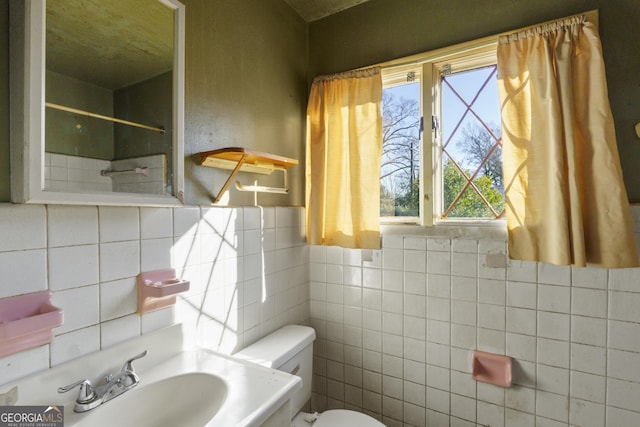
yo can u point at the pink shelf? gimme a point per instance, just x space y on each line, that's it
492 368
27 321
158 289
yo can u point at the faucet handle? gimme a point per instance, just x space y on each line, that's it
86 393
128 365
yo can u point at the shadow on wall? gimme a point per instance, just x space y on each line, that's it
248 276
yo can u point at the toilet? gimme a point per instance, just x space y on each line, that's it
290 349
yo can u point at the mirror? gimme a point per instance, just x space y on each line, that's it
104 122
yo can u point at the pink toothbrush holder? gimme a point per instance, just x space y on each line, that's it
157 289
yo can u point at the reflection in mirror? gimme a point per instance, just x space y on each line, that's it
98 100
109 96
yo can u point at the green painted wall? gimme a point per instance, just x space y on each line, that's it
246 85
73 134
382 30
5 192
148 103
248 65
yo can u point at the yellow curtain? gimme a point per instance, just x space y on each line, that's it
344 149
566 201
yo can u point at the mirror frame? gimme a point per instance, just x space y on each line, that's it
27 101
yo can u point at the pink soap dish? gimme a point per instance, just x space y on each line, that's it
492 368
158 289
27 321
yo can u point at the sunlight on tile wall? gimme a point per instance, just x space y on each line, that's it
248 269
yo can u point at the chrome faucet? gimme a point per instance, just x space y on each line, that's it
90 397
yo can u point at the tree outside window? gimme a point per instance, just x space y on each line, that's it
472 185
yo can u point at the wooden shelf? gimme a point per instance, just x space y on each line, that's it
238 159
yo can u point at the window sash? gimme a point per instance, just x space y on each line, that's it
427 66
393 77
470 61
427 73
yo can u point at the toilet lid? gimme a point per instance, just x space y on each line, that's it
345 418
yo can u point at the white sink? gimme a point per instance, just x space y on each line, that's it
185 400
180 385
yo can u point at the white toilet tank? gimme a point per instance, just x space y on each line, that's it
289 349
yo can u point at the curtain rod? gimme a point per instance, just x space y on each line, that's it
460 48
100 116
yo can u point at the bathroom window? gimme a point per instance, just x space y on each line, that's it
442 151
400 168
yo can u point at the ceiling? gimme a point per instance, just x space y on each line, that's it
312 10
116 43
110 43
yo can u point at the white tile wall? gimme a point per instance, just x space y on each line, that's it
395 327
248 268
153 183
71 225
72 173
426 303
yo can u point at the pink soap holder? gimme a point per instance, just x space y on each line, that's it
158 289
492 368
27 321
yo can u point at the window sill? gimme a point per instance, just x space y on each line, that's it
496 229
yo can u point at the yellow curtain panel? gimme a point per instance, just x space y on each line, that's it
344 149
566 201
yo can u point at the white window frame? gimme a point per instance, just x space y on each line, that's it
427 69
473 60
397 76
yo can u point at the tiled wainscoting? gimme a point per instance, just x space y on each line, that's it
151 183
77 174
396 329
74 173
248 269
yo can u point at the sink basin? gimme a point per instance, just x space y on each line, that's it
191 399
180 385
